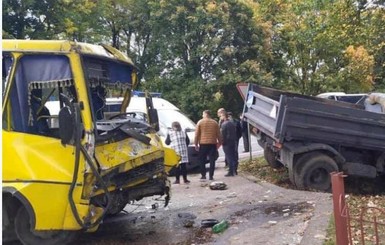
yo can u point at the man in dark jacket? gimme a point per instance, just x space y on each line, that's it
238 133
229 138
245 134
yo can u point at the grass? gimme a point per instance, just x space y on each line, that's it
331 233
261 170
359 193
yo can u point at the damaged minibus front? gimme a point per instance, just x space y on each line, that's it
66 165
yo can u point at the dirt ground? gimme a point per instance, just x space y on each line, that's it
257 212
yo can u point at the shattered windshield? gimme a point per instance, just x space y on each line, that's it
110 80
106 79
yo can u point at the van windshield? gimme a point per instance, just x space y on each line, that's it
166 117
354 99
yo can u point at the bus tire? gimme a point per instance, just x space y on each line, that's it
27 235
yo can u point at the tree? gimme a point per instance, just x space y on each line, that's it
20 19
49 19
374 19
215 44
357 75
303 48
309 40
195 51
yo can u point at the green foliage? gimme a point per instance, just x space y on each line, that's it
81 21
30 18
203 48
330 232
311 38
195 51
357 74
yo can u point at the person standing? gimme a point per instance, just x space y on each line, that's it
238 133
229 137
219 112
245 134
207 140
179 141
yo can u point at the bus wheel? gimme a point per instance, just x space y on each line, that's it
27 235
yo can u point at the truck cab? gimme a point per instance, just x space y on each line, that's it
66 166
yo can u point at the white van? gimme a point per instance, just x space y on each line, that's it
374 102
167 113
341 96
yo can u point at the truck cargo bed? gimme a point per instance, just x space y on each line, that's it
287 117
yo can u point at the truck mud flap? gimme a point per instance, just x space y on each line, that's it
359 169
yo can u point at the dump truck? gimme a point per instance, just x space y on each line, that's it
65 171
313 137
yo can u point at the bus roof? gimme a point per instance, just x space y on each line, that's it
63 46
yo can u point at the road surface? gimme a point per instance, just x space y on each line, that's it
258 213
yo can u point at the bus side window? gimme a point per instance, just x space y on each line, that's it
35 75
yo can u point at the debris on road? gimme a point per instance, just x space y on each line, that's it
218 228
209 223
187 219
218 185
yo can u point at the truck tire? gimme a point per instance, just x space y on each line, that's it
312 171
271 158
27 235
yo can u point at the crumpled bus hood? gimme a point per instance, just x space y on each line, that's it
130 153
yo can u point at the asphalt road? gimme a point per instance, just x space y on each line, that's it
257 213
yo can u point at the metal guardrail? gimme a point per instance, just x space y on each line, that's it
370 221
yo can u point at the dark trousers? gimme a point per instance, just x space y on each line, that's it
207 150
236 149
231 157
245 137
236 154
181 169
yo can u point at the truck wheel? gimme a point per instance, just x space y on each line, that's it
271 158
27 235
313 172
